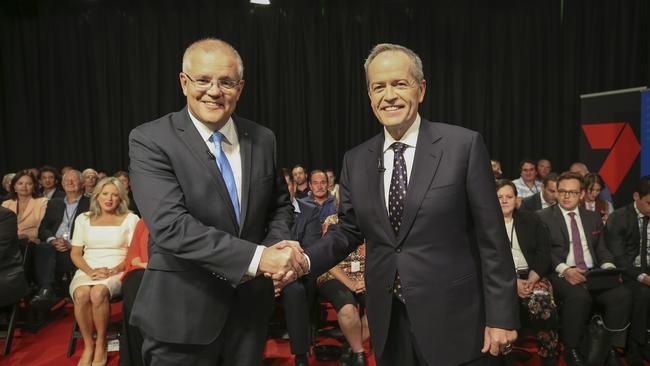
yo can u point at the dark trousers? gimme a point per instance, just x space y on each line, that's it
297 299
130 337
640 307
577 303
48 262
240 343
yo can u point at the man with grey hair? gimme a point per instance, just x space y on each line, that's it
440 283
52 255
204 181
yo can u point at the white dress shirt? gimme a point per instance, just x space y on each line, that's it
230 146
410 139
517 253
570 259
544 203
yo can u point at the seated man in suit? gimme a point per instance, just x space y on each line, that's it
52 255
545 198
48 177
12 276
298 296
577 247
626 235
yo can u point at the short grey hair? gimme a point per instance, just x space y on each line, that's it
73 171
211 45
7 179
416 62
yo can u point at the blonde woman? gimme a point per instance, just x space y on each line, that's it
99 247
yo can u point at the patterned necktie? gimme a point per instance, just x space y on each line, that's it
578 254
644 244
396 200
226 171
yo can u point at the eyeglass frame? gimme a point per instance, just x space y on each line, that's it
219 82
565 193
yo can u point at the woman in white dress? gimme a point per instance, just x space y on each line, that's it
99 246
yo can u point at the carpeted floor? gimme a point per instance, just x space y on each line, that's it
48 346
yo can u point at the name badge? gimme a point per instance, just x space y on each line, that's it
355 266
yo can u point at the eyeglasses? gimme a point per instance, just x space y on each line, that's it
563 192
205 84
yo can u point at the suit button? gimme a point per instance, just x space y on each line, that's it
398 249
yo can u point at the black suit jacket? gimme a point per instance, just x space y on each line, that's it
12 278
306 227
532 203
534 241
451 253
623 239
54 216
592 225
197 252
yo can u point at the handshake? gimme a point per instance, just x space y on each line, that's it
284 262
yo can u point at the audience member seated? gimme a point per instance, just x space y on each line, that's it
12 277
576 248
298 296
28 204
344 287
527 183
49 180
545 198
99 247
6 186
90 178
594 185
300 177
332 186
137 257
627 234
531 252
496 169
543 168
124 178
583 170
320 196
52 255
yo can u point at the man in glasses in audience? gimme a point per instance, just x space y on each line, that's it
576 248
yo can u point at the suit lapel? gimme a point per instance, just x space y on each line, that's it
245 150
561 223
588 228
428 153
376 184
198 148
27 211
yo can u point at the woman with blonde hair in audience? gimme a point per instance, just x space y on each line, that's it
99 247
28 204
89 179
594 184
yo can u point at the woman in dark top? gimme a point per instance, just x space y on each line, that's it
530 245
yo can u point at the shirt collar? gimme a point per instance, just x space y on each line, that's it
228 130
65 199
410 138
566 212
638 213
296 206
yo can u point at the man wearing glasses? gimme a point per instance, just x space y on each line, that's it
576 248
204 180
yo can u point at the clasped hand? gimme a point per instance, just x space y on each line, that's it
284 263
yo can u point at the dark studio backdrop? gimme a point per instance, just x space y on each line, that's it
77 76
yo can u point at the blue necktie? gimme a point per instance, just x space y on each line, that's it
226 171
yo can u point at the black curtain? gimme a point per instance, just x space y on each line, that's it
77 75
